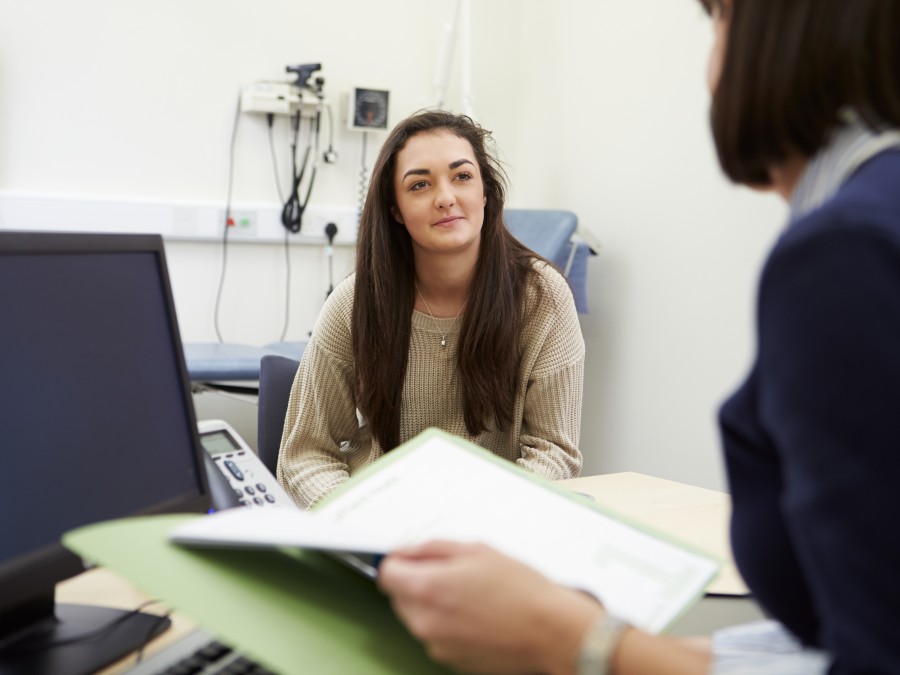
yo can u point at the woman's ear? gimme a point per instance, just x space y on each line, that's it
397 215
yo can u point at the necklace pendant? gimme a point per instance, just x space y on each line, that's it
444 342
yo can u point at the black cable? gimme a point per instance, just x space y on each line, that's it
226 224
330 156
330 125
287 287
287 253
330 231
292 212
149 636
270 118
315 127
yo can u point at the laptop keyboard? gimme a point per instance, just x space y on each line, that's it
198 654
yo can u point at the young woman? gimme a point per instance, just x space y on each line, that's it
806 102
447 322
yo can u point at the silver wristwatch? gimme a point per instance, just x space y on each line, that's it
599 644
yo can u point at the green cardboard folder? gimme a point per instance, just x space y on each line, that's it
264 590
297 612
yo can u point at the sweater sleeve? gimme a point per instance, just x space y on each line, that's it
551 418
321 414
829 363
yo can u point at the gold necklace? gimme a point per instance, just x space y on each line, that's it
443 336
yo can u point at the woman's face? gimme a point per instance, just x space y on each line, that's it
717 53
439 193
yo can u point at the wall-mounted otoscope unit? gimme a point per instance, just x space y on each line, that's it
292 213
302 97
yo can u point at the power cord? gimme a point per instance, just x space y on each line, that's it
330 156
292 213
363 179
228 220
330 231
270 118
149 636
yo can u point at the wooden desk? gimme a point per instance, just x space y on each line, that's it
697 516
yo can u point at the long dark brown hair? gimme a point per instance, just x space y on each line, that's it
790 67
489 354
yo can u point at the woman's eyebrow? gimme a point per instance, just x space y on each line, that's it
424 172
416 172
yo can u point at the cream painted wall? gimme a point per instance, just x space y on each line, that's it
598 106
611 122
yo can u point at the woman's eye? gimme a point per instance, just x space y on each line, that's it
418 185
465 175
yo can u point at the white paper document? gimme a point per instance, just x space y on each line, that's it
441 487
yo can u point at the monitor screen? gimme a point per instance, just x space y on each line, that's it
96 415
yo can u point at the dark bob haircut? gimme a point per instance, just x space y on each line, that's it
790 67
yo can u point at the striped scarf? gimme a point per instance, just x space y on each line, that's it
849 146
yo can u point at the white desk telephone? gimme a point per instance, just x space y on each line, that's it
253 484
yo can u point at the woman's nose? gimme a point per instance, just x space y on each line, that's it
444 197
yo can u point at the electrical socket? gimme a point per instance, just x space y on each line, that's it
317 218
242 223
262 223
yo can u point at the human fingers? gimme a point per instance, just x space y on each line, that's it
413 573
416 569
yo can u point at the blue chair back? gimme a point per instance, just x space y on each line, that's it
545 231
276 376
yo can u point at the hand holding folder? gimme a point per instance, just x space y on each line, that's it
438 486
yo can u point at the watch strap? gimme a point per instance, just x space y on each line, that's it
599 644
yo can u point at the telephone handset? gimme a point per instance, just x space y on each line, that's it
253 484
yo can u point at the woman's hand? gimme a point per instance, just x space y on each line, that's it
480 611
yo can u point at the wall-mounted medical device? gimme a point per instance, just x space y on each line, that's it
368 109
299 92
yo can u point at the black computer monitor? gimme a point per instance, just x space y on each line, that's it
96 422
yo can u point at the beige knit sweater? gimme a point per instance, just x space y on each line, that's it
325 439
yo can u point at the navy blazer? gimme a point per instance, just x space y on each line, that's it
812 437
